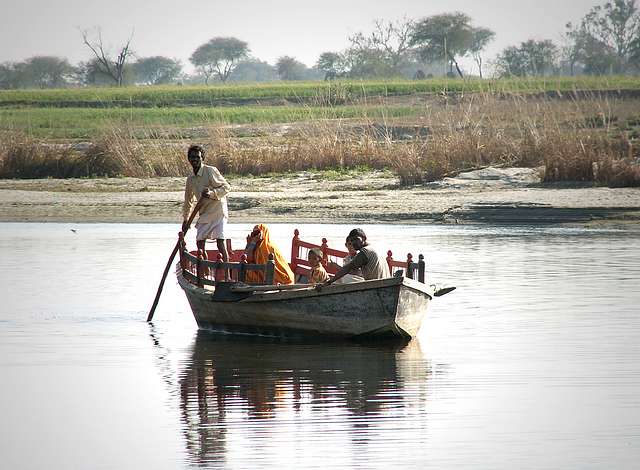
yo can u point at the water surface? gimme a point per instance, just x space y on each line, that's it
531 363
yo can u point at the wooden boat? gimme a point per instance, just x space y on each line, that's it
392 307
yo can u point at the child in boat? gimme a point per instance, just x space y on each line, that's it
318 273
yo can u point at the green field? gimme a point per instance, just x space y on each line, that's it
83 123
83 112
174 96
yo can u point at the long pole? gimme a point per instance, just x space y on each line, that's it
173 254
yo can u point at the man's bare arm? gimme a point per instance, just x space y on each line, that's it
357 262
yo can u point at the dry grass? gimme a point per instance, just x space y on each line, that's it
578 140
118 152
581 140
22 157
590 158
113 153
319 148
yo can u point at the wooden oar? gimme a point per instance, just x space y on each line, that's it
173 254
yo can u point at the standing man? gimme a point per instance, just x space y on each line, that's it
206 182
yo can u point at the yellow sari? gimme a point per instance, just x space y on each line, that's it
282 273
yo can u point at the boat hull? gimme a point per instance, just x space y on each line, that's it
391 307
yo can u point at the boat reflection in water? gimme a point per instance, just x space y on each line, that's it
245 401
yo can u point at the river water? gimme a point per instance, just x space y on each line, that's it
533 362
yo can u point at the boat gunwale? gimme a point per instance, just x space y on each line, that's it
319 290
311 291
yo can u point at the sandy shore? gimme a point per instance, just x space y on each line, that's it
485 196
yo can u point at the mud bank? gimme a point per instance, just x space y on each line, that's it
492 196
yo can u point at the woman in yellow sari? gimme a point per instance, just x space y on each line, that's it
259 246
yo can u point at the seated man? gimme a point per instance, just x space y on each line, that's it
352 276
258 248
367 259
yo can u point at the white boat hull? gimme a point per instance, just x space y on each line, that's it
382 307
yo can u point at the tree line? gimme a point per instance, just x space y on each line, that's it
605 41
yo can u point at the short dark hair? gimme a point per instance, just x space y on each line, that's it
357 232
194 149
317 252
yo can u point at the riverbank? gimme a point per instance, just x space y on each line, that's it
491 195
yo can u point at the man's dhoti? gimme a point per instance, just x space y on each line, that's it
211 230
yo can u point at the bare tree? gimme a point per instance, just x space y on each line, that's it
480 37
393 38
113 68
389 41
573 42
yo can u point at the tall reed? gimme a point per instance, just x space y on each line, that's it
24 157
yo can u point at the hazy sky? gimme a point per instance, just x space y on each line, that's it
272 28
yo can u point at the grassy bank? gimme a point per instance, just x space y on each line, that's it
591 138
588 141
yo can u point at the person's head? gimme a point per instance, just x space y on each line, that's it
357 238
195 155
315 257
260 232
350 248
